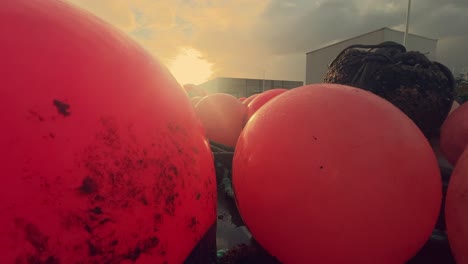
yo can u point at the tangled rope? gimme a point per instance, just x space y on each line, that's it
422 89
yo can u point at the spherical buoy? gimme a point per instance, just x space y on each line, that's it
103 159
335 174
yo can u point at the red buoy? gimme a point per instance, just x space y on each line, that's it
102 157
335 174
223 117
456 214
454 134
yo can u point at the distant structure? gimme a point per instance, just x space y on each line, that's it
464 73
317 61
462 86
240 87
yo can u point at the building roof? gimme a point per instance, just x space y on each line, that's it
358 36
256 79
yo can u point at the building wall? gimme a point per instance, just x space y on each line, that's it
240 87
317 61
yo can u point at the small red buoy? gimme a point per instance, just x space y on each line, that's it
249 99
194 100
262 99
223 117
454 134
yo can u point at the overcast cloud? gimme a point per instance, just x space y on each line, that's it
244 38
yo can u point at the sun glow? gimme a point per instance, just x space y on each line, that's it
190 67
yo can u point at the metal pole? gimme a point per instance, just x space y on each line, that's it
405 38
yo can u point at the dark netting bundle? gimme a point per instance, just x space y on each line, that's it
422 89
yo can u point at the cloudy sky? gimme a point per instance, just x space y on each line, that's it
202 39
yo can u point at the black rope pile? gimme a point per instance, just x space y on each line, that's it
422 89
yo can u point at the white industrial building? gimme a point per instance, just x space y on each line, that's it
318 60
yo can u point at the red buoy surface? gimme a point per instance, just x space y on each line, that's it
335 174
223 117
262 99
194 100
456 210
454 134
249 99
102 157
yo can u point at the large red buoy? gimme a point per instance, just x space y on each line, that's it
335 174
102 157
456 209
